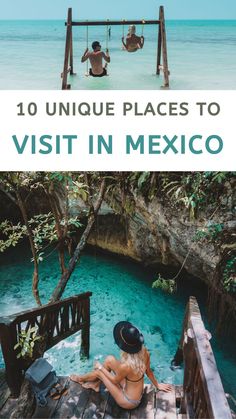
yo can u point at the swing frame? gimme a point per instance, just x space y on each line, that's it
161 43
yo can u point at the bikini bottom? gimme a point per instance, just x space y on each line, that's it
131 401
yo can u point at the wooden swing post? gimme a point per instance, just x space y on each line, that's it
161 42
71 52
68 52
158 48
163 46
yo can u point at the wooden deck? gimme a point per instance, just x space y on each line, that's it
203 392
86 404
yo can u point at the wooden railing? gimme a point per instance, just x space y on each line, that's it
204 395
54 322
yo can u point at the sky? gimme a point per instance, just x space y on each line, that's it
118 9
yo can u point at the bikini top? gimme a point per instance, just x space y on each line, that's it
135 381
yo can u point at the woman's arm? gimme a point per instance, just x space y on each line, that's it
123 42
152 378
115 379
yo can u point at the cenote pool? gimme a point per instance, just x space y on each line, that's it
121 291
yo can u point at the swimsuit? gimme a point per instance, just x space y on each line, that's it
104 73
131 401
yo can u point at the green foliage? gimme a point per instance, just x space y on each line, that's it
13 234
193 191
229 275
142 179
211 233
43 229
218 177
167 285
26 342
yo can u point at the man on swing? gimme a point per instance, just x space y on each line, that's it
133 42
96 58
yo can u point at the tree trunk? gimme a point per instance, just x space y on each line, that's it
58 291
59 230
35 280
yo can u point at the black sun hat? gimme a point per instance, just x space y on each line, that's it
128 337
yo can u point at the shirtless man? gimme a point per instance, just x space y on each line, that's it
96 60
133 42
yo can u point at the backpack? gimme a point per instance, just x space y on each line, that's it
42 378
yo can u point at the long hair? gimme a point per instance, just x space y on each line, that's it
135 361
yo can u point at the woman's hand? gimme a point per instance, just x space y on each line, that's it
164 387
97 365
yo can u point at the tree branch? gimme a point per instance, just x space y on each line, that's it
58 291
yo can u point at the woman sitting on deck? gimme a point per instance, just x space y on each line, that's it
123 378
133 42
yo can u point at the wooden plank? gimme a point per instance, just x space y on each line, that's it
4 394
74 404
8 408
96 406
146 408
50 408
165 405
210 378
114 22
188 408
114 411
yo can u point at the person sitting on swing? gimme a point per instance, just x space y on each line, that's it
133 42
96 58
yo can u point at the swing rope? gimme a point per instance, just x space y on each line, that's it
143 23
123 30
107 35
87 45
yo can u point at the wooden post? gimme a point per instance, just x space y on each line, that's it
65 86
164 47
178 358
71 55
85 333
71 50
12 365
158 47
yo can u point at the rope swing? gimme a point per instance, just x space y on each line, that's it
107 37
133 42
130 45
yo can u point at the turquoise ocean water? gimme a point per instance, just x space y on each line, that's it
202 55
121 291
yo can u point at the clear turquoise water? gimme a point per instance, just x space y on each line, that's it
202 55
121 291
